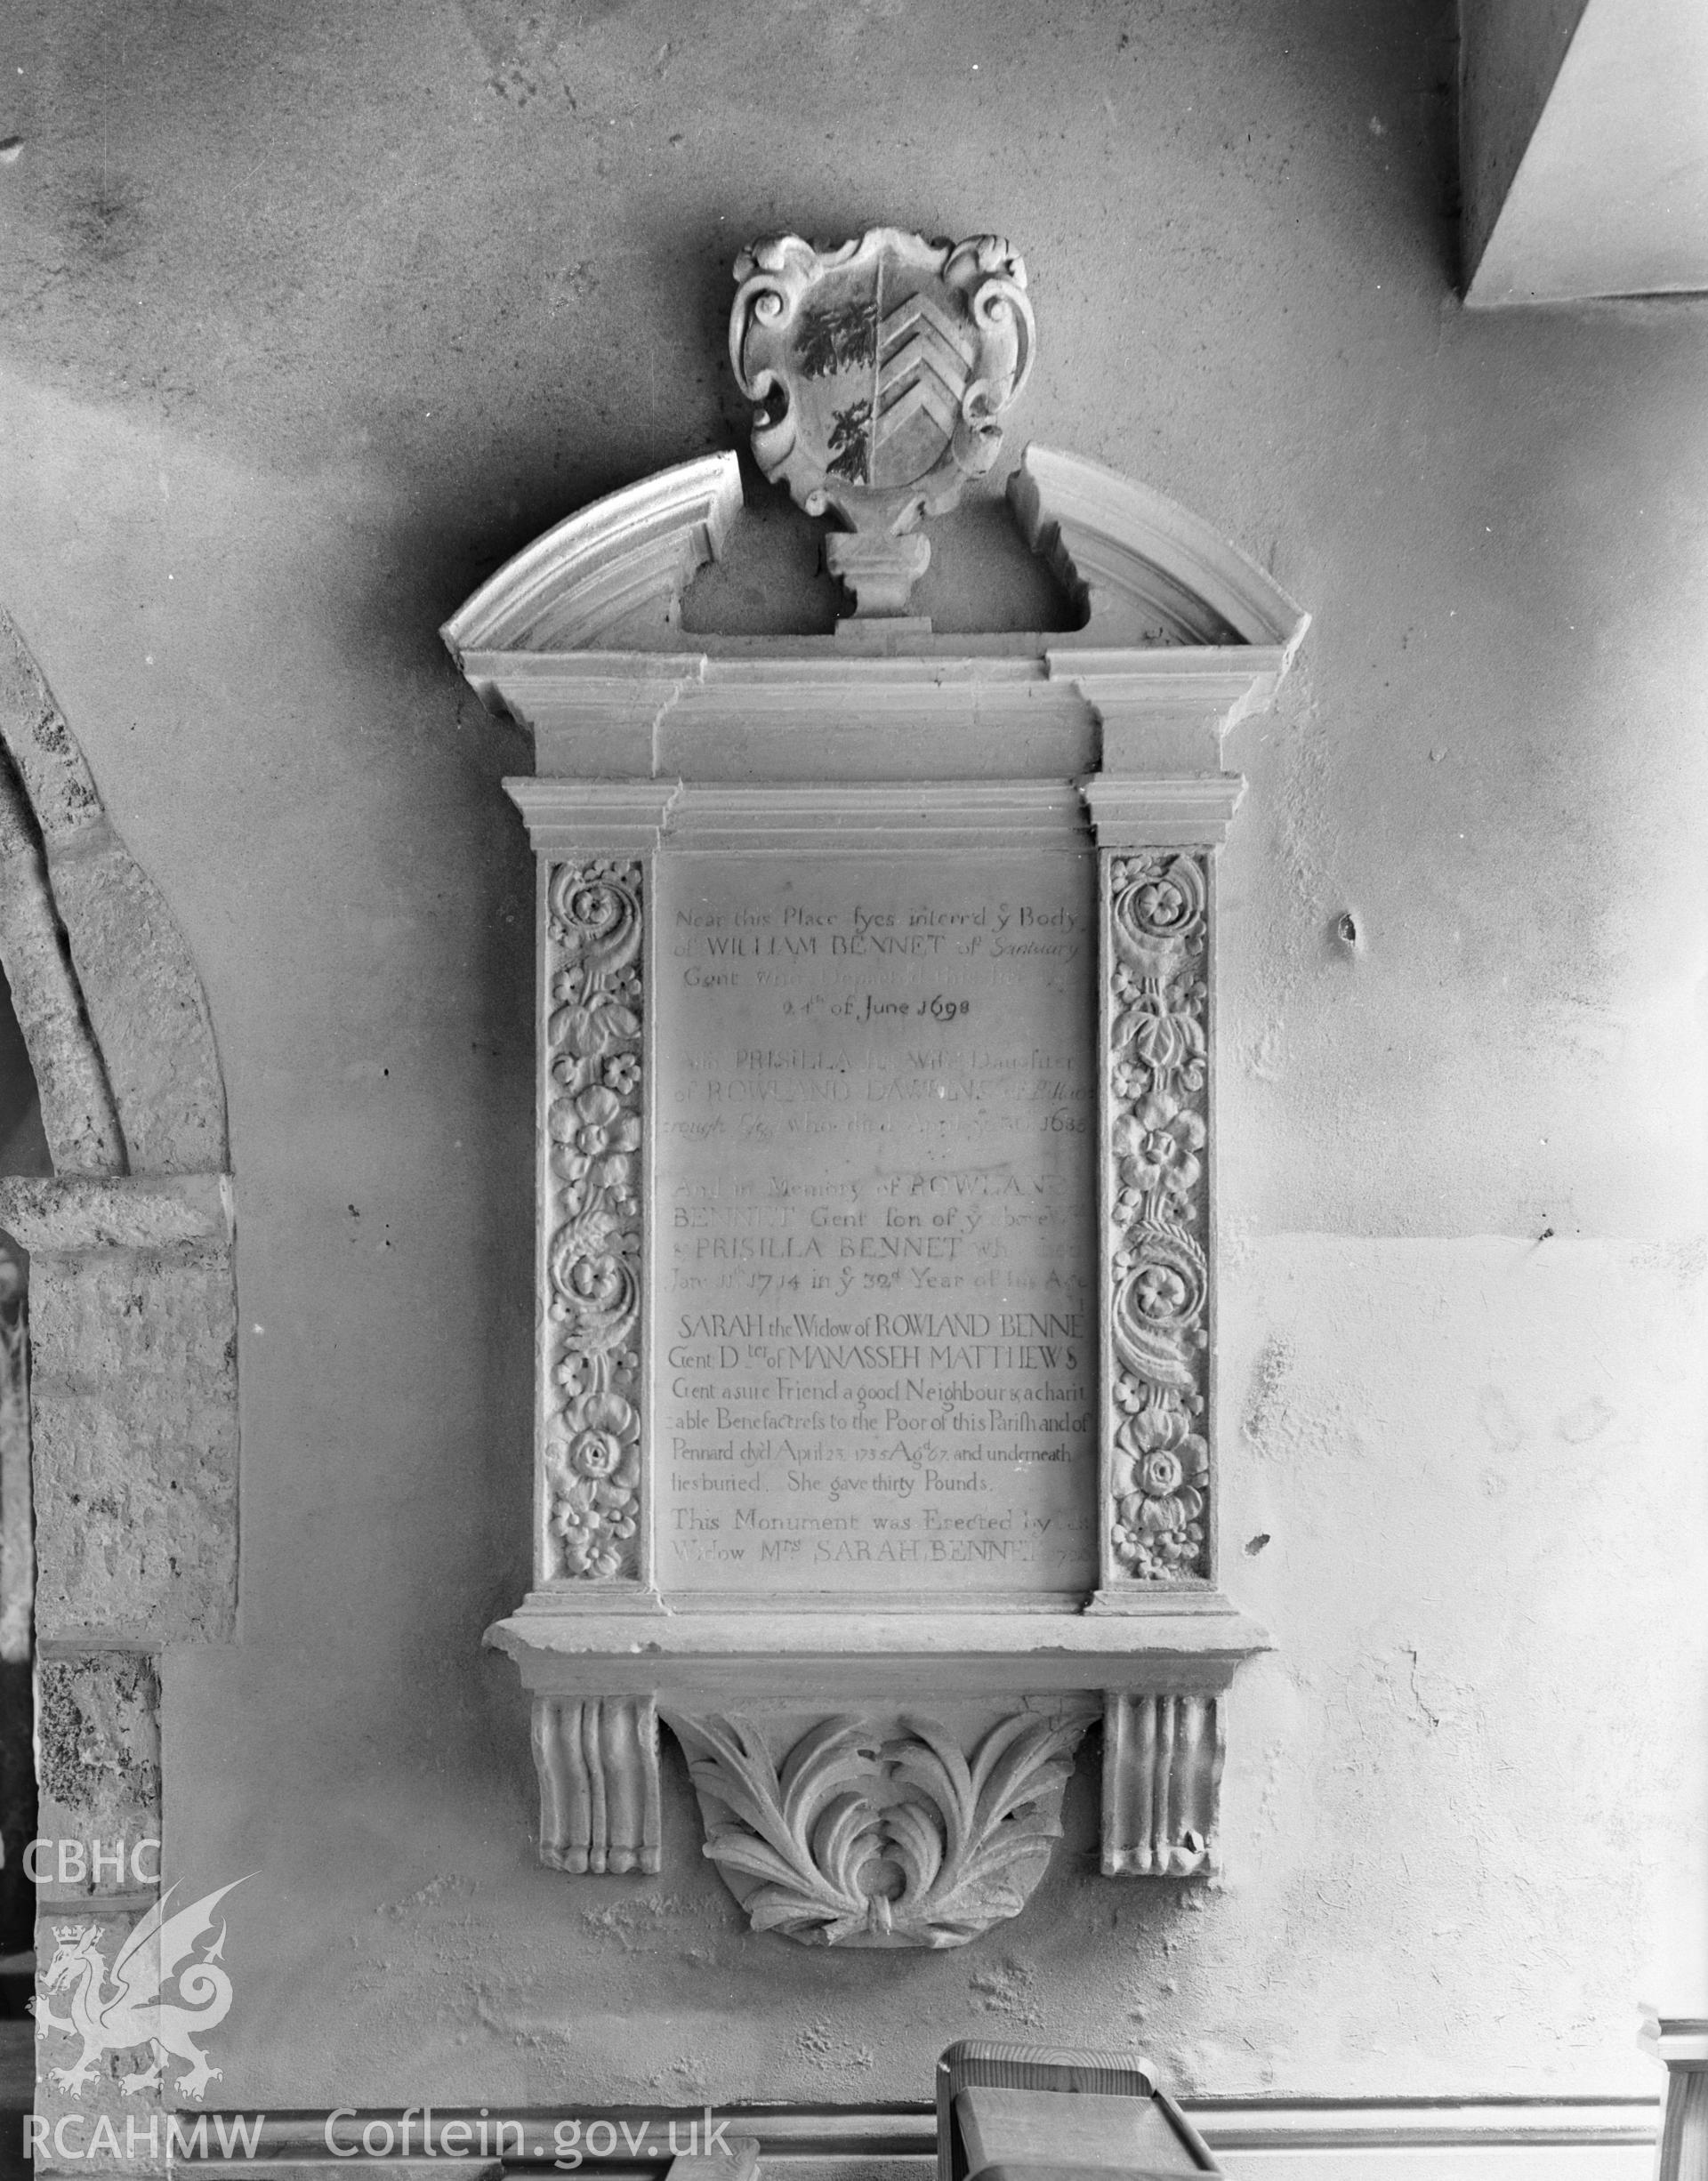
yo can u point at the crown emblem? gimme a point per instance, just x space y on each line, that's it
880 373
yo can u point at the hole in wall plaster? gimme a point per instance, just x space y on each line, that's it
1265 1416
1265 1056
1008 1989
1254 1545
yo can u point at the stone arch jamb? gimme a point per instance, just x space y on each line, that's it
133 1320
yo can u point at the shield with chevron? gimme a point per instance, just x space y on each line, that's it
880 370
919 376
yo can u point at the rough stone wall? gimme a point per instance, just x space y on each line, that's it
133 1308
324 311
97 1731
132 1325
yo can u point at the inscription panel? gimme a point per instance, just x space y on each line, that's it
873 1276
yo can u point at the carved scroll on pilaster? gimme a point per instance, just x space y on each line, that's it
1157 1216
1162 1785
598 1762
858 1838
591 1358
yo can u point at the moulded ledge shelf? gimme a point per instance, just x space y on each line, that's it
1180 1641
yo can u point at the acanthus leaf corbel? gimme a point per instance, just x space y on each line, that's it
862 1832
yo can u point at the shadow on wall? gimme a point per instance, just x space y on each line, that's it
23 1150
23 1140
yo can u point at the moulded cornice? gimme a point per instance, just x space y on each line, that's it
789 817
604 816
1144 813
567 816
1033 711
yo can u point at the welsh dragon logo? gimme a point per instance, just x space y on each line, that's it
127 2007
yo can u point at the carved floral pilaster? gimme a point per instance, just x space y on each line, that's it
1156 1214
859 1837
594 1126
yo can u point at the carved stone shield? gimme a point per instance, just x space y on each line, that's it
880 371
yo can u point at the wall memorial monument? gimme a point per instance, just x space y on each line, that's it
876 1405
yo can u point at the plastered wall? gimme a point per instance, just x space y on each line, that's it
315 314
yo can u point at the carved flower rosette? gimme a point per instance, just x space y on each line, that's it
1158 1212
880 371
593 1129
